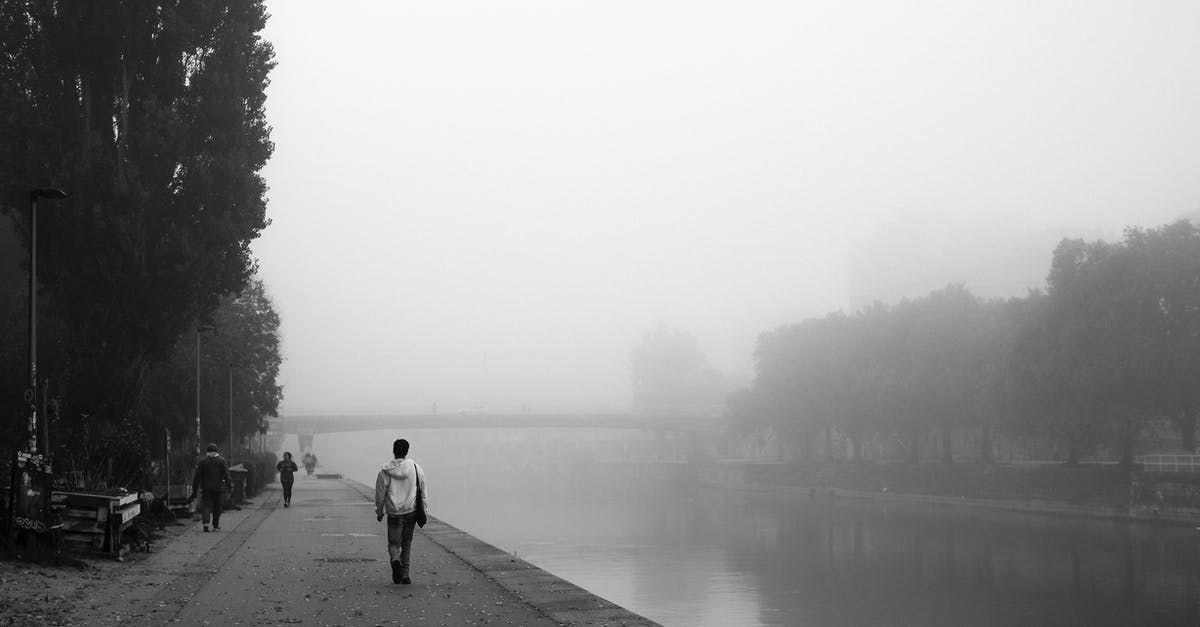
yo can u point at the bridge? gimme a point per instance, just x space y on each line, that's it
698 428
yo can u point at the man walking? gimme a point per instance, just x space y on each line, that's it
396 496
212 474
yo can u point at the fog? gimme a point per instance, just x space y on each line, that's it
487 204
615 512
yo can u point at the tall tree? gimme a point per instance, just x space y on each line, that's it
1062 365
151 117
1000 397
751 412
784 374
948 340
1171 255
669 372
241 351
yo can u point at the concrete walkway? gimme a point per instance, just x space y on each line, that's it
323 561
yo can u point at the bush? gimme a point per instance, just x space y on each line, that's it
260 470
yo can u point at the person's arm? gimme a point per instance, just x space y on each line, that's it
225 477
423 487
380 494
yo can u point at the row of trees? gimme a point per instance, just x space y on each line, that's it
1110 350
151 117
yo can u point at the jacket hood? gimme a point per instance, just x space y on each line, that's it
399 468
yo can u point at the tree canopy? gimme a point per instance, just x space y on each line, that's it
670 373
151 117
1106 353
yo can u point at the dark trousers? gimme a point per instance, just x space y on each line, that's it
400 535
210 502
287 488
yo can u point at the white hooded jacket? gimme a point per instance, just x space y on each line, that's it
396 488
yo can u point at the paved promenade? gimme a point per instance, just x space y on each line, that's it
323 561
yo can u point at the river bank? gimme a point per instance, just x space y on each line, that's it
1098 490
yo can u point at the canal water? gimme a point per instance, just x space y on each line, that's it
684 554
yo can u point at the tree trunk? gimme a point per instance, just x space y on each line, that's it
1187 429
1128 437
985 444
1073 454
914 447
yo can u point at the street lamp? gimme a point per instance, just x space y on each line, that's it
231 367
199 328
230 453
29 492
49 193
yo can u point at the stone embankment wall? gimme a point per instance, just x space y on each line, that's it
1153 497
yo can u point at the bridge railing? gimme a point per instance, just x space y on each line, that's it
1179 463
336 423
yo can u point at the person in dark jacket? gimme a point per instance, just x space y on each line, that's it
211 477
287 476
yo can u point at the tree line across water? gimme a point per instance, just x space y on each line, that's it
1105 355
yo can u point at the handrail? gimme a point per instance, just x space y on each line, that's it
1172 462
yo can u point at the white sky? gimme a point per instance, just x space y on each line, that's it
488 203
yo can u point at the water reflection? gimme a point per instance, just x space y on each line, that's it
688 555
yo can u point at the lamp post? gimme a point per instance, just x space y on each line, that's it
231 413
29 491
49 193
199 328
243 368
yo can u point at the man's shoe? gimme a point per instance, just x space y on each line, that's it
405 580
205 528
396 571
216 528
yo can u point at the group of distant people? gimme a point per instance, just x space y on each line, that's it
400 496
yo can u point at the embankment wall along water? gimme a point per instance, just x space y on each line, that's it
557 598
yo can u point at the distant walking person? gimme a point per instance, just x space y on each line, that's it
310 462
396 496
211 476
287 476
